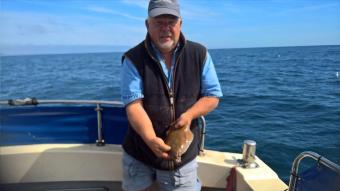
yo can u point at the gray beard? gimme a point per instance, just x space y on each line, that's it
166 46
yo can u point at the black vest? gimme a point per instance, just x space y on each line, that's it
162 104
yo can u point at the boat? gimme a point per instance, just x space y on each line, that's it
75 145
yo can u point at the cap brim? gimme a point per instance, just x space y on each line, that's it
163 11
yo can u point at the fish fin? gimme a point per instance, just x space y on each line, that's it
170 128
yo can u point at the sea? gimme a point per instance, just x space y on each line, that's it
287 99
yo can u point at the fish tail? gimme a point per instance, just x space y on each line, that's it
171 165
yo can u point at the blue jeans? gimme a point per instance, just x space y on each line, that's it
138 176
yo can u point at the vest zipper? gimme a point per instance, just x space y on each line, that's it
172 105
173 81
170 90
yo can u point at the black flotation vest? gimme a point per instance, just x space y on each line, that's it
163 104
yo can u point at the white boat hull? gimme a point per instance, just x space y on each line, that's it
89 167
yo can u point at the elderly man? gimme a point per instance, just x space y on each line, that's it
165 80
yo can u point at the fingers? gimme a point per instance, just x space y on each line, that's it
183 121
164 147
162 151
159 148
163 155
178 123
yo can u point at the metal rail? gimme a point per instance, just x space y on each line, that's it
100 141
320 159
33 101
203 123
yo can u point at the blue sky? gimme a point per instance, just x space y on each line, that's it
66 25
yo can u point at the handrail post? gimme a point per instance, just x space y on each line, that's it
294 171
295 167
202 135
100 141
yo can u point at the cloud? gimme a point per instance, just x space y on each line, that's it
189 10
106 10
22 24
197 11
37 29
29 28
139 3
310 8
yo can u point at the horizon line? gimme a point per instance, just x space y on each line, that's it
121 51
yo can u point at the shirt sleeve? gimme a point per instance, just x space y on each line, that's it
131 87
210 84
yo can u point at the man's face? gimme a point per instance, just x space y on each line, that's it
164 31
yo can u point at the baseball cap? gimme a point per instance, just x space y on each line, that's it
162 7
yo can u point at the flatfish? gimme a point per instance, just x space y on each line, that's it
179 139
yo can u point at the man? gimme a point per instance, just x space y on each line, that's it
165 80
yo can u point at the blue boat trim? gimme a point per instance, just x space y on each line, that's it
60 124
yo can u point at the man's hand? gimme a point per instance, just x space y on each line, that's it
141 123
202 107
158 147
183 120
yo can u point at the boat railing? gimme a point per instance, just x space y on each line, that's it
294 177
202 128
33 101
100 141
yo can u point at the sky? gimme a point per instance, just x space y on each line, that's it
61 26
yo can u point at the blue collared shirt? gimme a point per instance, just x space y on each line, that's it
132 85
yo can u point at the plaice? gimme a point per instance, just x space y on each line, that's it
179 139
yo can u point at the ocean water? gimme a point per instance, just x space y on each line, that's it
287 99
